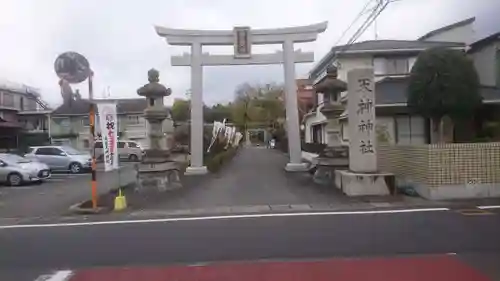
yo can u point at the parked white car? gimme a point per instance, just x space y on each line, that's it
62 158
127 150
16 170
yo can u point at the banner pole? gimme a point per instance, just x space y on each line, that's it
92 140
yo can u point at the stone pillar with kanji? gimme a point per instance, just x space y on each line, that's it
363 176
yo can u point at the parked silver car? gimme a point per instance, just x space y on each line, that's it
16 170
61 158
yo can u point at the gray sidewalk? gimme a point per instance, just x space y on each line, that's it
255 177
255 181
54 197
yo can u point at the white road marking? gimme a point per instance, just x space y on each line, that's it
225 218
489 207
61 275
23 187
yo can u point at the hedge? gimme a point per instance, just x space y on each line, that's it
216 161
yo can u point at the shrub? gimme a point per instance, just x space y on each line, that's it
217 161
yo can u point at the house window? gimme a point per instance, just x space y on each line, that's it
8 100
63 122
61 142
133 120
379 66
410 129
397 66
86 144
85 121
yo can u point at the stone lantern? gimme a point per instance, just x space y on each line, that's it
156 168
334 156
331 88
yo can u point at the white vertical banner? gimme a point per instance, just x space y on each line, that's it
227 135
361 117
233 136
108 122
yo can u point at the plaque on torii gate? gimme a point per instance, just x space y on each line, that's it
242 38
242 43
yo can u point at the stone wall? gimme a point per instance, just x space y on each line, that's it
473 166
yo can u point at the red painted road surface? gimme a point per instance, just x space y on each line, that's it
439 268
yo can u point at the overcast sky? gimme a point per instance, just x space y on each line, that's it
118 38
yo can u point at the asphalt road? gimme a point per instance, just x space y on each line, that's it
54 196
30 252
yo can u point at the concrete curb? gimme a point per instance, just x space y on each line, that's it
256 209
77 209
265 210
298 208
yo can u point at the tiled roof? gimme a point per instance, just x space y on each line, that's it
484 41
448 27
381 45
81 107
9 124
377 45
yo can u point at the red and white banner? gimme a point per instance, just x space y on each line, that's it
108 122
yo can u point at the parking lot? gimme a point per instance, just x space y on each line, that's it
54 196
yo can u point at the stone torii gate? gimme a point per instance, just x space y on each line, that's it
242 39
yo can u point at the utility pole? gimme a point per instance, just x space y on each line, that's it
92 139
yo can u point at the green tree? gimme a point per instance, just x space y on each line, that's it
258 104
443 82
217 112
181 110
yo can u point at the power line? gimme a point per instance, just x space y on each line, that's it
377 10
381 6
361 13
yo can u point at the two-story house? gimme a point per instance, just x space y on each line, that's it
70 122
484 51
392 61
24 116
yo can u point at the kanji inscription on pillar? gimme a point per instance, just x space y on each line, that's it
242 42
361 114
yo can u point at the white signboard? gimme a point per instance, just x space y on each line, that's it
361 114
109 134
